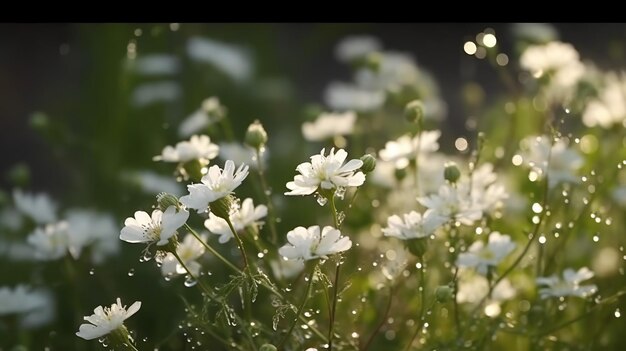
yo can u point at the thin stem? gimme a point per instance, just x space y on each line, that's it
212 250
422 302
271 214
240 244
300 308
382 321
333 309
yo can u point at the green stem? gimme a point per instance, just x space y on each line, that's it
422 302
212 250
300 308
382 321
333 309
240 244
271 213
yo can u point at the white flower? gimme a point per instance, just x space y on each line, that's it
107 319
484 257
473 288
86 227
215 185
156 229
286 269
569 285
199 147
326 172
560 162
405 148
189 250
210 112
414 225
308 243
486 194
452 203
152 183
38 207
397 69
232 60
50 242
240 154
345 96
35 307
153 92
155 65
245 216
355 47
537 32
609 107
328 125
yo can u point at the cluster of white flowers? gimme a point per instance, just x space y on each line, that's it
557 160
407 148
609 107
199 147
328 125
245 216
483 258
189 250
569 285
33 307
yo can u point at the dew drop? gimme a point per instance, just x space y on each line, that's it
131 272
321 200
92 271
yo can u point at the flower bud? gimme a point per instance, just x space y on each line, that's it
400 173
268 347
166 200
416 246
414 111
222 206
443 293
256 136
369 163
451 172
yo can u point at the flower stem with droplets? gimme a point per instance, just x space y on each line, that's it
246 266
212 250
333 309
300 308
271 213
422 303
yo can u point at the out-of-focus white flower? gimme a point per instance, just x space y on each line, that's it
309 243
215 185
153 92
606 262
39 207
189 250
355 47
484 257
328 125
396 69
286 269
486 194
568 286
199 147
153 183
452 203
156 229
473 288
346 96
50 242
536 32
326 172
560 162
107 319
232 60
210 112
86 227
241 154
155 65
247 215
405 148
609 107
35 307
414 225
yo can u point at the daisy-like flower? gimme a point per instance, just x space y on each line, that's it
215 185
156 229
246 216
39 207
34 307
308 243
328 125
189 250
51 242
106 320
240 154
609 107
90 228
474 287
405 148
568 286
326 173
210 112
484 257
286 269
199 147
346 96
452 203
560 162
414 225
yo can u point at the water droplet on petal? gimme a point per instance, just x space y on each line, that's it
321 200
131 272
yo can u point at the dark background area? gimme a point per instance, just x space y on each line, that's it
49 67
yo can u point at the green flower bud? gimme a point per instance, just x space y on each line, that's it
451 172
221 207
256 136
414 111
166 200
400 173
268 347
369 163
417 246
443 293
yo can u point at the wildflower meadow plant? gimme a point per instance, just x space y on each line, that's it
396 234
